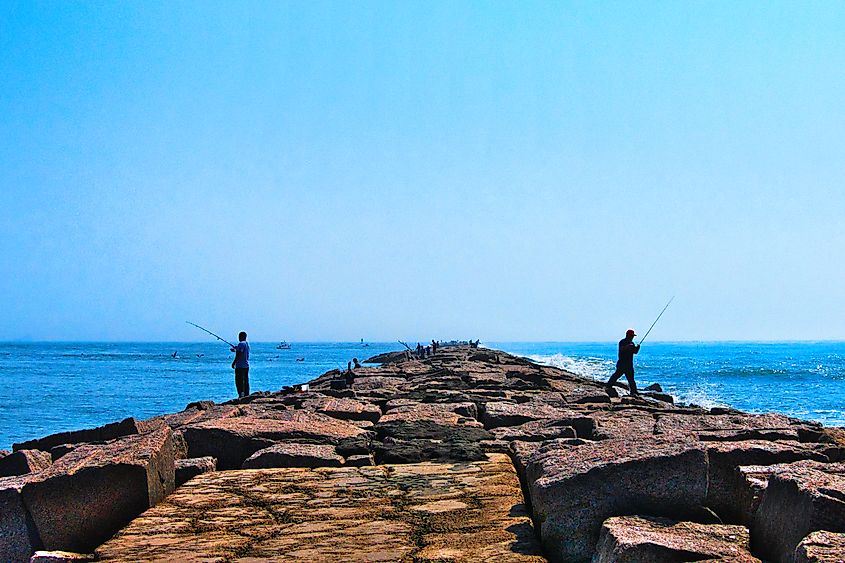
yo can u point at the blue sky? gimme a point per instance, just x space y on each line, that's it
503 171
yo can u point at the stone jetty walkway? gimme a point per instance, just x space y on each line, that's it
469 455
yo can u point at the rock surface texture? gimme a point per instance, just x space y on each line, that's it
469 511
633 539
467 455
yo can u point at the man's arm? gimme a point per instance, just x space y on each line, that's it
238 351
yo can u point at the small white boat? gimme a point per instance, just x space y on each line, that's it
283 346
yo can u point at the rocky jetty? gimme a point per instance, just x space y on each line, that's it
468 455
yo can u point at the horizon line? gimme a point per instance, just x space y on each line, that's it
379 342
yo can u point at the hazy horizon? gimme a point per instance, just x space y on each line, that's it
426 341
532 172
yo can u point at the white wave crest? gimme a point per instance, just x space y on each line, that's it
592 368
701 395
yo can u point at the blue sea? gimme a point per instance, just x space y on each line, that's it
52 387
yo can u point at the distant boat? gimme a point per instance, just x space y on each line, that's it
364 344
283 346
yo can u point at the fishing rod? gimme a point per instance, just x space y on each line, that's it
211 333
657 319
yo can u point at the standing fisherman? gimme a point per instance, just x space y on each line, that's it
625 363
241 365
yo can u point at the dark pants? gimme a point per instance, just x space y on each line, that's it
627 371
242 381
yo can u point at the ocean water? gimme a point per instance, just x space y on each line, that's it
801 379
52 387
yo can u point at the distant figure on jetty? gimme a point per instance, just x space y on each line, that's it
625 363
241 365
433 347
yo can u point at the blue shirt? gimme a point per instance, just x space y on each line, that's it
242 355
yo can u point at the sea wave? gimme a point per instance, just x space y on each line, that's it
599 369
593 368
701 395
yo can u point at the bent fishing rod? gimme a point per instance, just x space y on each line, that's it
211 333
657 319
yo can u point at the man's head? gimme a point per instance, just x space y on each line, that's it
242 337
630 333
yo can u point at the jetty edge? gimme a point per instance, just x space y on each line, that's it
468 455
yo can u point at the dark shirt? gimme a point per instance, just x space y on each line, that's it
242 355
627 349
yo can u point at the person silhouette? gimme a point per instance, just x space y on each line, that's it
625 363
241 365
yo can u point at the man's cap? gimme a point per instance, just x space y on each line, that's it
630 332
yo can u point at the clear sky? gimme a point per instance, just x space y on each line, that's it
493 170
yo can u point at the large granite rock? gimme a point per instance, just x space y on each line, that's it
291 454
445 414
89 494
18 535
400 441
535 431
574 489
500 413
736 426
344 408
797 501
821 547
189 468
100 434
637 539
727 494
465 512
232 440
388 357
195 413
22 462
86 496
58 556
624 423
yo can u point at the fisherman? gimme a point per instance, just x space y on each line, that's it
625 363
433 347
355 363
241 365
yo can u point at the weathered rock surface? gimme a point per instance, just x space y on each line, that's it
85 497
344 409
455 512
636 539
388 358
727 494
498 414
100 434
821 547
797 501
22 462
574 489
536 431
92 492
191 467
232 440
445 414
61 557
18 535
291 454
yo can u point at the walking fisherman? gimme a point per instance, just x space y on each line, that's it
625 363
241 365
